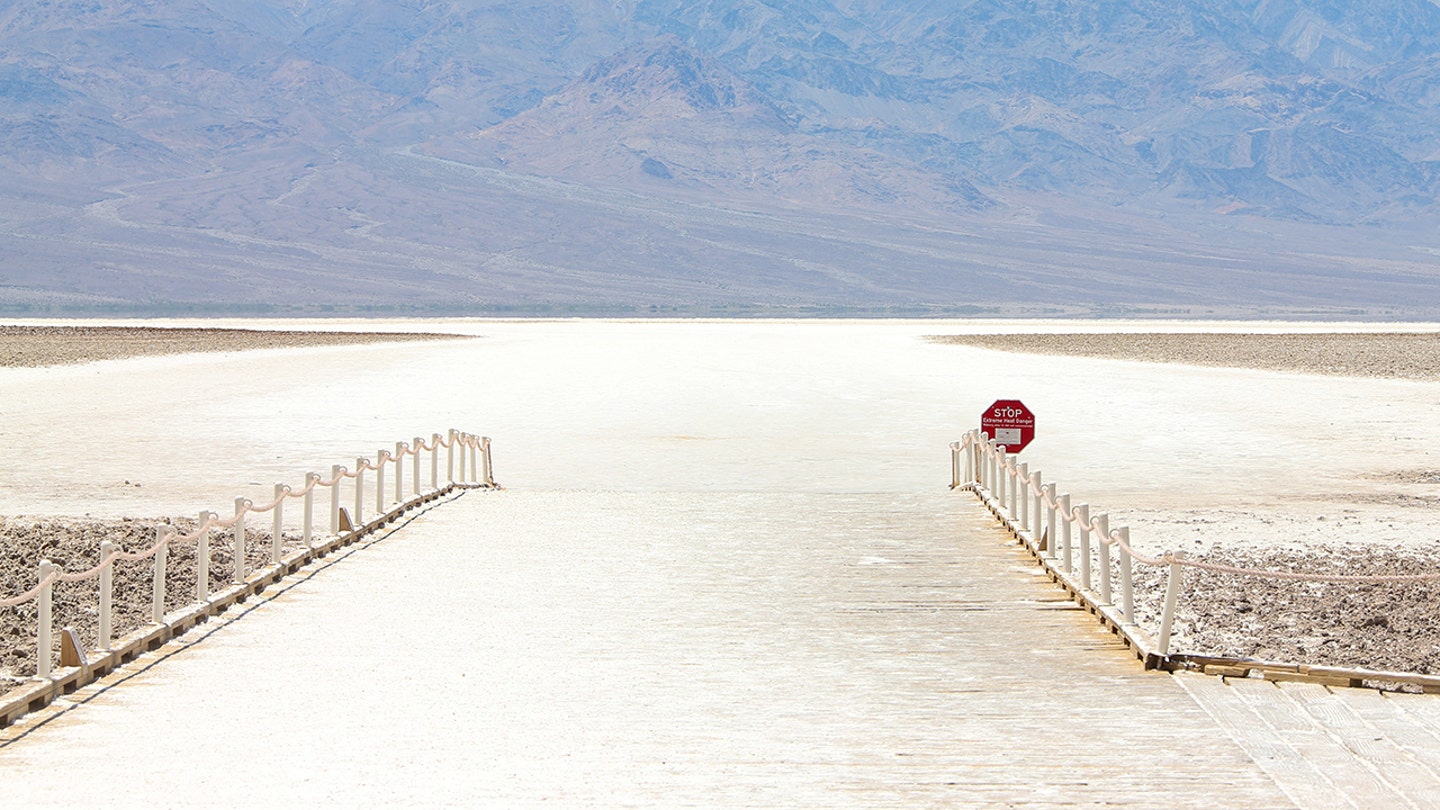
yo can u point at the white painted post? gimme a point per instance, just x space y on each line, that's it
106 634
460 448
335 470
434 461
1021 494
474 451
360 463
383 458
954 464
1083 518
1065 534
415 471
238 575
1102 534
1050 548
489 468
400 472
202 560
1000 470
157 588
44 658
1038 492
306 532
450 457
1127 588
277 534
1172 595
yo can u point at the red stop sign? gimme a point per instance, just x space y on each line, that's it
1009 423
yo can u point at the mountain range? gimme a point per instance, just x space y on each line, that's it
1041 157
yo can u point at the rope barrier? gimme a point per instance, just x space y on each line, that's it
988 470
167 536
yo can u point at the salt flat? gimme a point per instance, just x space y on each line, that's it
726 543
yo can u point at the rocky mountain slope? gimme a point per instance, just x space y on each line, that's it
1200 156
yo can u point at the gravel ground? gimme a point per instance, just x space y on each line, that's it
1405 355
33 346
74 545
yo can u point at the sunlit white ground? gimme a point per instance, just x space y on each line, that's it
1181 453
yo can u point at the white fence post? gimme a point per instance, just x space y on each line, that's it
1021 496
359 519
382 458
474 451
157 589
1083 519
488 470
1172 595
202 559
44 658
1102 534
105 634
434 461
415 470
400 472
1037 492
309 509
335 476
1127 587
277 535
1054 534
1001 468
238 577
1067 516
450 457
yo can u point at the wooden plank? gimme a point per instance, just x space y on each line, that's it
1298 775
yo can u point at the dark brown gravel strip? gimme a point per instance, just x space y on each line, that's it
35 346
1405 355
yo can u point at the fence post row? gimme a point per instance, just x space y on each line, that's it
1053 521
479 465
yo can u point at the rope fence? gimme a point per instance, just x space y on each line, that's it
1078 545
466 453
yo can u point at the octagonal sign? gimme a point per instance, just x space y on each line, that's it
1009 423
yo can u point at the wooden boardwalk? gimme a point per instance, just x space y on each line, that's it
717 649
